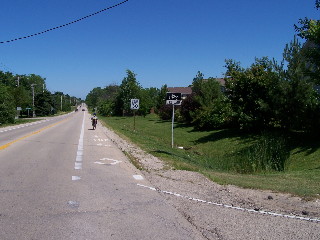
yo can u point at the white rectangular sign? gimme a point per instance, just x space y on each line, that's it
174 102
134 104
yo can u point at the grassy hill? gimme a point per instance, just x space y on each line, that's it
231 156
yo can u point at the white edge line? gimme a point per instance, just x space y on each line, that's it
232 207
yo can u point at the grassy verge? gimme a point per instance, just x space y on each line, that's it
19 121
215 153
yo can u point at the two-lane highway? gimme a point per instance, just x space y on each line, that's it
61 180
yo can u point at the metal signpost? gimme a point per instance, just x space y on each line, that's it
28 110
173 99
134 106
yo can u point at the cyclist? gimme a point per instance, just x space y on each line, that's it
94 121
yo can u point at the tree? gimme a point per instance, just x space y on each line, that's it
161 98
7 108
254 93
93 98
300 106
44 104
209 104
107 99
129 89
148 100
309 29
197 82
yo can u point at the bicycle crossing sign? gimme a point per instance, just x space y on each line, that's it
134 104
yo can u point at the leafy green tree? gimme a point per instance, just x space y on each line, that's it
107 100
93 98
197 83
269 95
300 106
211 111
188 107
7 79
254 93
22 97
309 29
44 104
129 89
148 100
190 104
7 108
60 102
161 98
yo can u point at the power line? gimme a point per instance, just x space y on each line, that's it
67 24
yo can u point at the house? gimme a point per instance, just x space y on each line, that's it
185 91
222 82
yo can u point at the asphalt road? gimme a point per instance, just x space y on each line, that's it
61 180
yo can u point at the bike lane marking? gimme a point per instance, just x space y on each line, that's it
79 157
78 162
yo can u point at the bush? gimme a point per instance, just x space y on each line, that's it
217 115
165 112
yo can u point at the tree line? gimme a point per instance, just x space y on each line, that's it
21 95
268 94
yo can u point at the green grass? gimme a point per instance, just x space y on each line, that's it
18 121
214 153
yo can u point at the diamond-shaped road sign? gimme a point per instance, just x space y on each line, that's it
134 104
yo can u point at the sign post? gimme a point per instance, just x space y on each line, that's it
173 99
28 111
134 106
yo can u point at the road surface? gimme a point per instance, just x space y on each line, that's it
59 179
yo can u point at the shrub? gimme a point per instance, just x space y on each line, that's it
165 112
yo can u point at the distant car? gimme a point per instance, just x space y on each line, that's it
83 109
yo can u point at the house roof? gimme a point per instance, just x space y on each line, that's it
188 90
183 90
222 81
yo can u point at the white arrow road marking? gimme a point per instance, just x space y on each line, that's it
101 163
113 161
76 178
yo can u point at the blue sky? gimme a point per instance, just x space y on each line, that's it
162 41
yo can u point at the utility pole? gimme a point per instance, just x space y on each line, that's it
18 82
61 102
32 86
